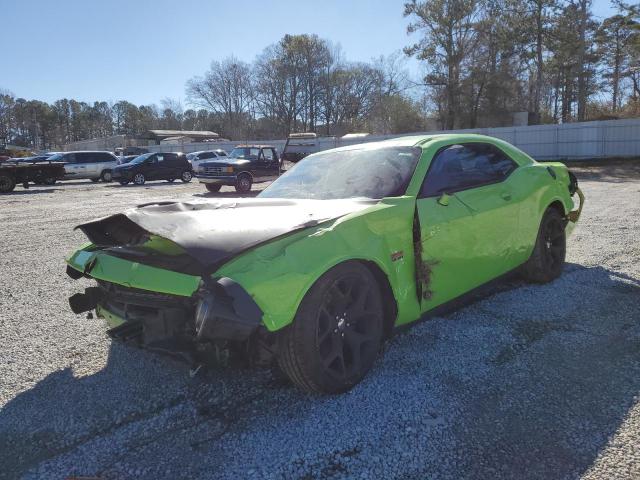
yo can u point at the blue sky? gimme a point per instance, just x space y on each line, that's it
143 50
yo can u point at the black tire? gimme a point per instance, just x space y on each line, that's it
186 176
106 176
124 182
547 259
7 183
139 179
337 332
49 181
212 187
95 180
244 183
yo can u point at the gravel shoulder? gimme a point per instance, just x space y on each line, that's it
532 381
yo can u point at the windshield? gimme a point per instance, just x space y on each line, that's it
141 158
362 172
56 158
245 152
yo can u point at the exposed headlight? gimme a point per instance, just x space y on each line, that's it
228 169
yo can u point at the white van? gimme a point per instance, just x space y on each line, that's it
86 164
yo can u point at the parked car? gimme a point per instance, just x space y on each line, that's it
154 166
126 159
93 165
245 165
321 267
196 158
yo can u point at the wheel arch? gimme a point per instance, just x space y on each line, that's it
389 304
557 205
245 172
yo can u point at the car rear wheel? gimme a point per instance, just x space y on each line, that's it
547 260
243 183
337 332
212 187
139 179
186 176
7 183
106 176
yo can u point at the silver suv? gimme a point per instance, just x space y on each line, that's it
86 164
196 158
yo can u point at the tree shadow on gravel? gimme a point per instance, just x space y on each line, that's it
542 404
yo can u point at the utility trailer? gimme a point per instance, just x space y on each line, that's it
12 173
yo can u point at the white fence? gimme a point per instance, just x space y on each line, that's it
571 141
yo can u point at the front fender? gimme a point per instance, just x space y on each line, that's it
279 274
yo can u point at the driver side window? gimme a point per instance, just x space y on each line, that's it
465 166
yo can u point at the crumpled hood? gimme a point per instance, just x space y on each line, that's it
213 232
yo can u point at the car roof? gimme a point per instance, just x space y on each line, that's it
254 145
86 151
424 140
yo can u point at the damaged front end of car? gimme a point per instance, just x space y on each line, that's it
158 285
219 316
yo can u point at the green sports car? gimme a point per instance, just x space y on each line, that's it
317 270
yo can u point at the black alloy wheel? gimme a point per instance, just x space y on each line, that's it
548 256
337 332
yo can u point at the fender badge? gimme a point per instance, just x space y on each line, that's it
395 256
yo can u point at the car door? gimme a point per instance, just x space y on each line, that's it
71 168
96 162
82 160
271 167
171 166
149 167
468 221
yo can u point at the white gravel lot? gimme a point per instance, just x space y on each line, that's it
529 382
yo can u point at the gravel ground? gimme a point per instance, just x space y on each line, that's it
528 382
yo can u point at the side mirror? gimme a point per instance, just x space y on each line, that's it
444 199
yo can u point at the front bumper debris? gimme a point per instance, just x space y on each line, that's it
167 323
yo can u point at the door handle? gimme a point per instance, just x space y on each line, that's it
506 196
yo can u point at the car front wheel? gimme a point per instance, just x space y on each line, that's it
186 176
337 332
243 183
139 179
106 176
547 260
